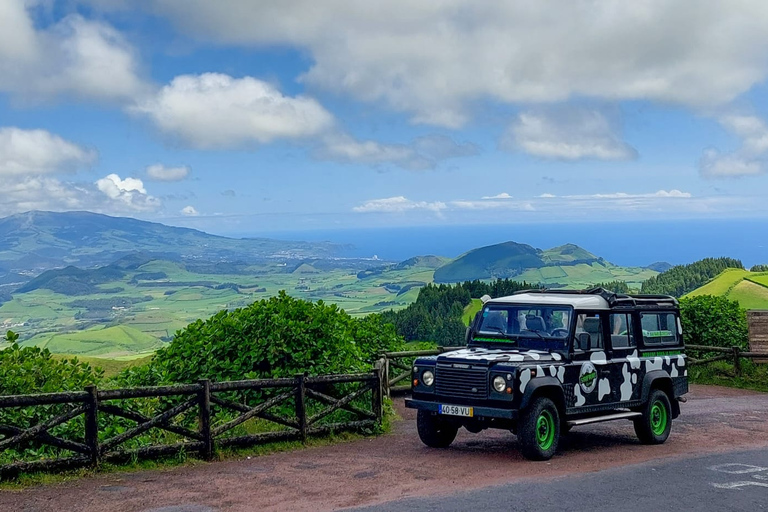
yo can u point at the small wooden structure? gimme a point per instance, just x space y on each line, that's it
758 333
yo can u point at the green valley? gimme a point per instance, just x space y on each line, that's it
749 289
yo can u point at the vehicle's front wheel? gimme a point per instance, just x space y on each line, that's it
654 425
435 431
539 429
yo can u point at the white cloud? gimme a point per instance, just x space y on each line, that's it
128 194
189 211
27 152
748 160
74 57
25 193
159 172
674 193
216 111
493 205
398 204
503 195
568 133
433 58
422 153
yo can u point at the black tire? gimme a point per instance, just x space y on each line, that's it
539 429
654 425
434 431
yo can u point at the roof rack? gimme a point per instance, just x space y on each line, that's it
614 299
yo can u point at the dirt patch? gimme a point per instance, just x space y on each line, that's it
397 465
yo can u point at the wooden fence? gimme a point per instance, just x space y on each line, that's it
311 401
733 354
397 367
757 320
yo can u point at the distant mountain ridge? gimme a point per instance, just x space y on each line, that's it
37 240
509 260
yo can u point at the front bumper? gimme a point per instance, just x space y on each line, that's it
479 411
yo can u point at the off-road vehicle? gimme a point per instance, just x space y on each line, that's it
540 362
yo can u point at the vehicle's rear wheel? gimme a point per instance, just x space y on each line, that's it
654 425
539 429
435 431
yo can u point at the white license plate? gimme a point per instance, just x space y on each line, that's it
456 410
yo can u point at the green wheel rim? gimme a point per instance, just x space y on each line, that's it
658 418
545 430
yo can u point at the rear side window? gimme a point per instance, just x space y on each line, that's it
659 329
621 331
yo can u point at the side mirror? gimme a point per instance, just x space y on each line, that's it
585 341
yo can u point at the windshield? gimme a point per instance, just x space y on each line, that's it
526 326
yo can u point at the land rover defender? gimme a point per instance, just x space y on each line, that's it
540 362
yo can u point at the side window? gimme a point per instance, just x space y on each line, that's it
589 323
621 331
659 329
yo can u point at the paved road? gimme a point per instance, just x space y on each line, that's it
390 468
724 482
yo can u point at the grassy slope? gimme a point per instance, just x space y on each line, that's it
750 289
469 311
107 342
111 367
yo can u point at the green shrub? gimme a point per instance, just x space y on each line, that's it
714 322
276 337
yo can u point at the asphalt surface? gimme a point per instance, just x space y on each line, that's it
723 482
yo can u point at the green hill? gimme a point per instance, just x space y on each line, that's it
565 266
750 289
107 342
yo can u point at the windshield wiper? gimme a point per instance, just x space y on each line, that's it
494 329
537 333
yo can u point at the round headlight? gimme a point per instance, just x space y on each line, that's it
499 384
428 378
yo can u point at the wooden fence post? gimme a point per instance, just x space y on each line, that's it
377 401
736 361
301 409
92 424
386 377
204 403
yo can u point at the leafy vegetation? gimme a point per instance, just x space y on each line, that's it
613 286
714 322
439 314
277 337
682 279
759 268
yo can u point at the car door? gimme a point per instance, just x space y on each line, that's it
594 371
625 363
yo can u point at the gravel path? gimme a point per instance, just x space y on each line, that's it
397 465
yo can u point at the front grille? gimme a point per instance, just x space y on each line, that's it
461 382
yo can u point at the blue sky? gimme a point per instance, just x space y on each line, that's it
243 116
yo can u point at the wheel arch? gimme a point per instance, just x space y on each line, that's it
548 387
659 379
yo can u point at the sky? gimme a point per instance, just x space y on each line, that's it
249 116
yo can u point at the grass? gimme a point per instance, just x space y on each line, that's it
750 289
754 376
470 310
109 342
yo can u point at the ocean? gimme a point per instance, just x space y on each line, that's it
622 243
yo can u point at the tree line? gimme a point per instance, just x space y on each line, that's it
437 313
682 279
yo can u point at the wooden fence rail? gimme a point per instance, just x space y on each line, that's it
311 401
397 367
728 353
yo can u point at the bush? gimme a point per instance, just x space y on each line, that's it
714 322
276 337
32 370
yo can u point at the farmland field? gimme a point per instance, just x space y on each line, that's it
750 289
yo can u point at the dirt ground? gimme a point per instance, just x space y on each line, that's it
397 465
